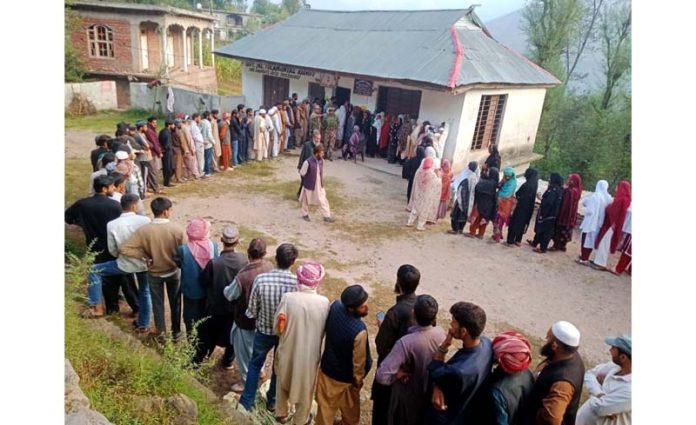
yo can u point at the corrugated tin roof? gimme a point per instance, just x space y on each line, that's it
396 45
144 8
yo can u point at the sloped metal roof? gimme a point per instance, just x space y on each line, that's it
396 45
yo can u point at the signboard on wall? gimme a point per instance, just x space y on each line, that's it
276 70
363 87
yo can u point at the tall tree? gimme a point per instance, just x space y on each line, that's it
616 46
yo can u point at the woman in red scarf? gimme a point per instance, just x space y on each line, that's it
384 135
610 233
568 216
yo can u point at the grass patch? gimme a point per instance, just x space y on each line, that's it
105 121
114 374
77 172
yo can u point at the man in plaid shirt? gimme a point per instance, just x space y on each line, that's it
265 296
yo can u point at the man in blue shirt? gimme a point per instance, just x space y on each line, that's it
455 382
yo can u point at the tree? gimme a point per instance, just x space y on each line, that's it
75 68
616 46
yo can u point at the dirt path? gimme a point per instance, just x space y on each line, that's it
369 241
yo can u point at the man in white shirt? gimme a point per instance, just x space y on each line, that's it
610 387
208 143
199 142
117 232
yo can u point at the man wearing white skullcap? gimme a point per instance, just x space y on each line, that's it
559 378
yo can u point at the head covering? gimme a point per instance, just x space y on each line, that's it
177 121
622 342
123 168
568 214
121 155
508 188
465 174
198 231
111 166
230 235
310 274
615 215
555 180
262 111
512 351
353 296
594 207
566 332
445 165
427 163
140 123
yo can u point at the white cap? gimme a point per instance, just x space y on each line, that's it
566 332
121 155
262 111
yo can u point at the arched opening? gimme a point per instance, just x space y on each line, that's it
175 46
150 47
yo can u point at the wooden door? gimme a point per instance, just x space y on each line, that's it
275 90
143 50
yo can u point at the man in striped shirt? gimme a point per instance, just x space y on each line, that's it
265 296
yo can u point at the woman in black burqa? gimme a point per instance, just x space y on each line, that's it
548 214
522 215
408 172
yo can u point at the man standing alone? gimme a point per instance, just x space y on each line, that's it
313 192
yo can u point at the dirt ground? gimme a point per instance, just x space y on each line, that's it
369 241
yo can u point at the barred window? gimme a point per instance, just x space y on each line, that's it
101 41
490 115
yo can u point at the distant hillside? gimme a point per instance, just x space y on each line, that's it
507 29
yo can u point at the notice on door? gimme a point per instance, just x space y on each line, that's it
276 70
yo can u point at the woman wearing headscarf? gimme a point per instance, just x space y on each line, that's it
548 214
524 208
463 186
446 178
568 216
594 207
384 134
192 257
610 233
393 140
351 148
426 195
494 160
375 132
412 139
506 202
409 170
402 137
624 264
485 204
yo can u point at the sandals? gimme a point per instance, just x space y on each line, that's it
582 262
91 314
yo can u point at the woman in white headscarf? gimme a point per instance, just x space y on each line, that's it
594 207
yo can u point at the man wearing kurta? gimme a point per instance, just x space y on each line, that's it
313 192
346 359
300 320
261 136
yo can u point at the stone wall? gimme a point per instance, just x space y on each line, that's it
101 93
185 101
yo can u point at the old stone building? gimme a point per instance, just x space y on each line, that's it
133 42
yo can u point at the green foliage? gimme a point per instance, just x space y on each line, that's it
585 133
105 121
75 68
115 373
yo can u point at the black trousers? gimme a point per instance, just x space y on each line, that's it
215 331
110 287
381 394
458 221
167 167
543 238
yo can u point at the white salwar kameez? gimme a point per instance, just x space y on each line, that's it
299 350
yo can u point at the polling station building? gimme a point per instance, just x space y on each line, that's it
436 65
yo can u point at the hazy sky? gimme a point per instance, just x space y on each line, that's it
488 10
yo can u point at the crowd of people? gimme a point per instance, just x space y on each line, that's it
482 198
249 306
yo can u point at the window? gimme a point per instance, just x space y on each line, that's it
488 122
101 41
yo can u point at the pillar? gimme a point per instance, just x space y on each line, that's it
200 48
184 49
212 47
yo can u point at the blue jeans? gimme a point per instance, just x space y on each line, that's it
262 345
110 268
208 165
235 152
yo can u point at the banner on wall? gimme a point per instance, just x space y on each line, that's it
277 70
363 87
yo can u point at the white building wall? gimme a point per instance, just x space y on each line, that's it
518 130
252 88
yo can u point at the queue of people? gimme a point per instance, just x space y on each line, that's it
248 306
